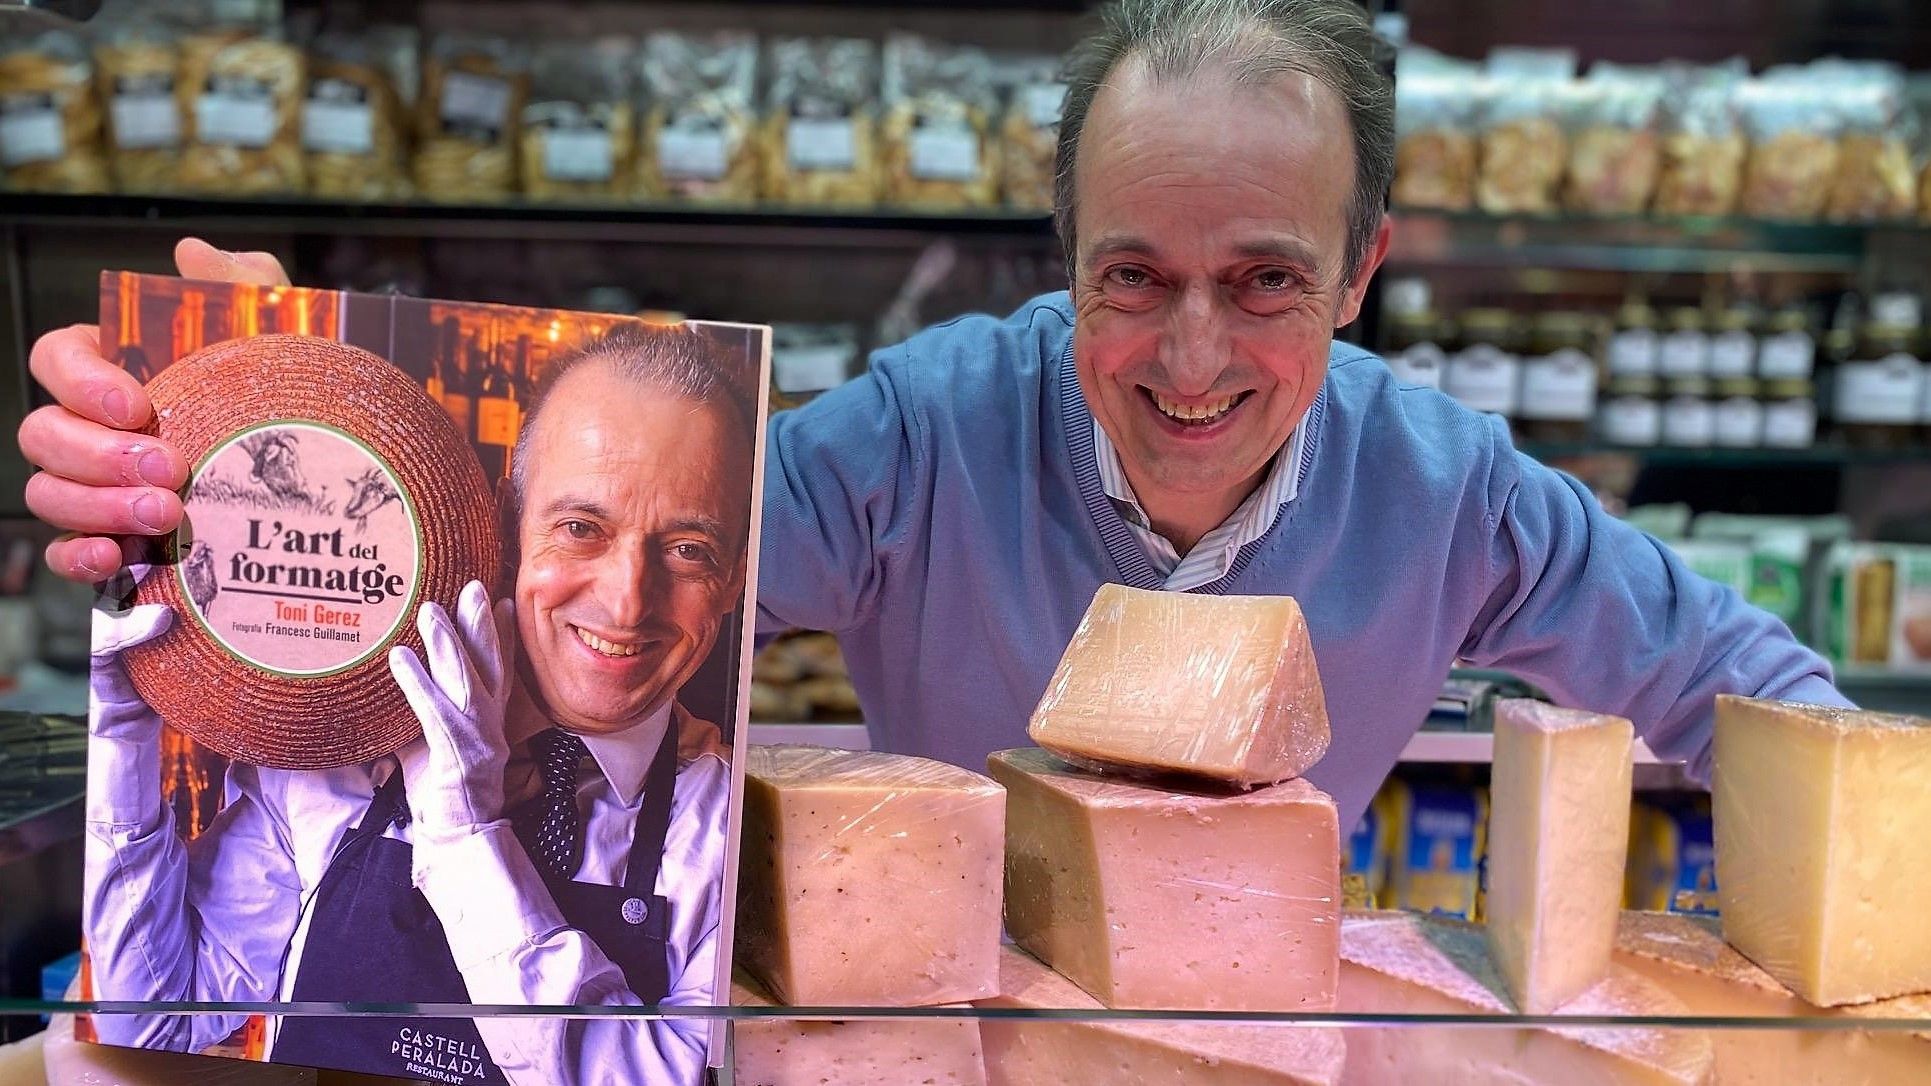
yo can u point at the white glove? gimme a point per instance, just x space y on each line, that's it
115 709
454 774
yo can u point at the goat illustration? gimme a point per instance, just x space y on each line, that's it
369 492
200 572
277 465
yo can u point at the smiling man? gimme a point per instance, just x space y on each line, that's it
587 868
1182 419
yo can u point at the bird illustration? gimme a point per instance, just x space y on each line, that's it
200 573
277 465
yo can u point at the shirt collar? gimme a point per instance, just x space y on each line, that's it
623 757
1255 514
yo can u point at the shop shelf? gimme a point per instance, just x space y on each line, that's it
1819 455
1426 239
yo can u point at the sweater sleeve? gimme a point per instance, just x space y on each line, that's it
1605 617
842 500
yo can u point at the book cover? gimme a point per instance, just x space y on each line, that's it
432 698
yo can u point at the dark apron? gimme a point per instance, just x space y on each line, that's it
374 939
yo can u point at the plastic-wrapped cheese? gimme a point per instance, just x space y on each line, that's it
1168 898
1403 963
858 1052
1558 842
1222 687
868 879
1079 1053
1685 956
1821 817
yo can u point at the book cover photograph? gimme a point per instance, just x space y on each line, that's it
432 699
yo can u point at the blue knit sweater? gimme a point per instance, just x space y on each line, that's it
944 516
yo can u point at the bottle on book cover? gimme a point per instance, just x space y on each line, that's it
499 408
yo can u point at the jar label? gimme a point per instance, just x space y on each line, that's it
1421 365
1738 422
1633 351
1787 356
1732 354
1790 424
300 553
1559 387
1632 420
1884 392
1685 354
1688 421
1484 378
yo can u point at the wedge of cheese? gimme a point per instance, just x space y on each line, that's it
1222 687
1558 841
1687 957
1403 963
868 879
1089 1053
1821 817
1168 898
857 1052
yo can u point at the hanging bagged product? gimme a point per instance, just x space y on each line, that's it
1876 178
1793 126
50 126
821 123
579 128
1029 130
1523 146
700 113
938 146
240 94
355 121
1615 151
1703 144
1435 146
473 90
136 56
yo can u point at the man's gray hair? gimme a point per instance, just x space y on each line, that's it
680 361
1257 41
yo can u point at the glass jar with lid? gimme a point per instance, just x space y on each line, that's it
1788 349
1737 416
1485 371
1685 350
1632 410
1876 391
1733 342
1559 378
1634 345
1689 417
1789 413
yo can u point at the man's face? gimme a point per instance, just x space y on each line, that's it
633 539
1212 232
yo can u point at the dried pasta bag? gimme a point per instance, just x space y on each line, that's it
937 134
1876 177
355 121
1703 145
579 131
50 126
1435 146
1029 131
820 132
698 139
473 90
136 58
240 94
1523 148
1793 130
1615 150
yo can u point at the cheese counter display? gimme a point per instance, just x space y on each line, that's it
1171 901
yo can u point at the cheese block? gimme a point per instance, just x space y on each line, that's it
868 879
1821 817
856 1052
1065 1053
1558 839
1223 687
1687 957
1404 963
1173 898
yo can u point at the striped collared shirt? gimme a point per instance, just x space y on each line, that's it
1213 556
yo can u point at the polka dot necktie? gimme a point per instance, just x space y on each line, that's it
559 845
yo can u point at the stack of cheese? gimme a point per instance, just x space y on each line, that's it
1165 854
865 880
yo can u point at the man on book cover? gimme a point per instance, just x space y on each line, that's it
558 835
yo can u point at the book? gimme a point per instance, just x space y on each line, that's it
430 703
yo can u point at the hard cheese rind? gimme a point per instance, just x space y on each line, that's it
1222 687
860 1052
868 879
1402 963
1166 899
1821 818
1687 957
1023 1053
1558 842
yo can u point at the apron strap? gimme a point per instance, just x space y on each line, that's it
653 820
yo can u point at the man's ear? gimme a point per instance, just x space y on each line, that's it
509 529
1356 291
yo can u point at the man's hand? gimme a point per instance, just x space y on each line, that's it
116 710
454 773
99 479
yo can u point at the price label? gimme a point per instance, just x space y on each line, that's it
144 121
693 154
1042 103
233 119
944 154
474 105
30 131
345 128
814 144
810 369
577 154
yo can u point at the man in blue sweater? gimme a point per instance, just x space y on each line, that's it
1182 419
